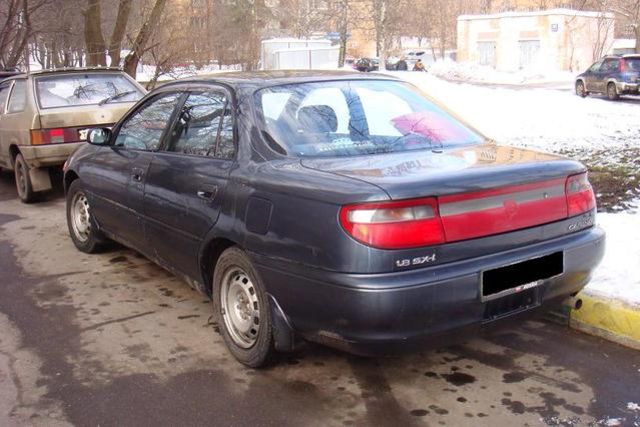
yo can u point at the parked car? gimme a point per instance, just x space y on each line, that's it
340 208
45 115
612 75
8 73
366 65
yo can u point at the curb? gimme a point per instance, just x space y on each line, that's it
611 319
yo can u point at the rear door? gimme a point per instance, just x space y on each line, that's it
610 70
186 181
116 175
592 77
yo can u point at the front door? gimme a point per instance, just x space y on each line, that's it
115 175
187 178
592 77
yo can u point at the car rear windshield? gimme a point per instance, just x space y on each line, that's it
356 117
84 89
632 64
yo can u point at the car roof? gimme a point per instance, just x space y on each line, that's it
5 74
632 55
278 77
69 70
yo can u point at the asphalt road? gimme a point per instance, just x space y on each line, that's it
112 339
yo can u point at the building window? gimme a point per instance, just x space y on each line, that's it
529 50
487 53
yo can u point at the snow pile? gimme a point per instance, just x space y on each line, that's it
619 274
468 72
561 122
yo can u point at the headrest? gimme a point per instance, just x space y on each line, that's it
317 119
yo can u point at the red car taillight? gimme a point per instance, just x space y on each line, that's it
452 218
54 136
580 197
394 225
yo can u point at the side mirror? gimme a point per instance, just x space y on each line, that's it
99 136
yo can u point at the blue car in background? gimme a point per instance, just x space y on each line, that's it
612 75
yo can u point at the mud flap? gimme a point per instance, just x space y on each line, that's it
284 337
40 179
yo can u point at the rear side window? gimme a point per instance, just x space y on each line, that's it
204 127
18 99
4 93
611 65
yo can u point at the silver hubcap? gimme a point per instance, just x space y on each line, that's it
612 91
80 219
240 307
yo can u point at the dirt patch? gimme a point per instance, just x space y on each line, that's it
614 174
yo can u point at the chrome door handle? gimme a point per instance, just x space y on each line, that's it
204 194
208 193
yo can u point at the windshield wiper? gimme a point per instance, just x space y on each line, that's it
116 96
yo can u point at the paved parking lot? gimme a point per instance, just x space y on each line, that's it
112 339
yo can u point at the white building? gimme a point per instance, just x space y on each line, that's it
557 39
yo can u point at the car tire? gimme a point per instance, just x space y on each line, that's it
23 180
580 89
612 92
241 307
82 225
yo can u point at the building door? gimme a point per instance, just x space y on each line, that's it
529 50
487 53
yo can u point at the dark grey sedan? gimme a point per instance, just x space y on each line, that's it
344 209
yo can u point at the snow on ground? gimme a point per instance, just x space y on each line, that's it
602 133
460 71
540 118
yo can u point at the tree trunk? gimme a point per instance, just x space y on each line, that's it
115 45
637 31
93 34
139 45
344 22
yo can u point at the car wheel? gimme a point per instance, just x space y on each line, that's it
242 308
23 180
612 93
82 226
580 89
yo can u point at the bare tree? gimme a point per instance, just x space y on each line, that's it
629 10
119 30
139 45
16 29
93 37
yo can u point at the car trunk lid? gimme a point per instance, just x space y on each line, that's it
74 121
480 190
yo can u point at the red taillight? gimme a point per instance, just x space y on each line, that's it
54 136
580 197
394 225
622 65
452 218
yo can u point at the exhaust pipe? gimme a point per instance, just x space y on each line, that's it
573 302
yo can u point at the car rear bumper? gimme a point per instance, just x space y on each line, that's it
628 88
384 313
38 156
